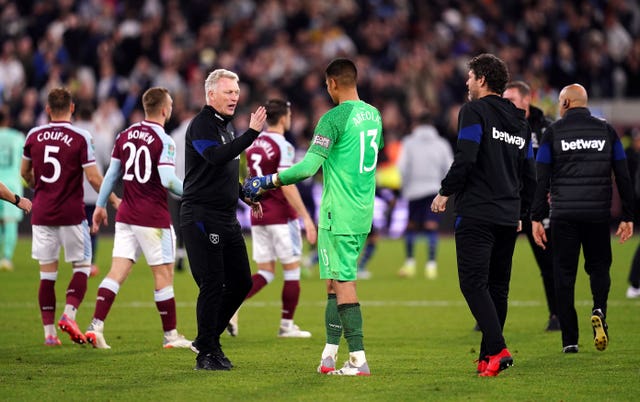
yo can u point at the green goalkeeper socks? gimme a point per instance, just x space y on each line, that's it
351 318
332 320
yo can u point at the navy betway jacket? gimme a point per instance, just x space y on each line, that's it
574 164
493 173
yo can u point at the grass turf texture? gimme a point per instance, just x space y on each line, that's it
418 338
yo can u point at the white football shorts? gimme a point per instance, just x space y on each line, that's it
74 239
281 241
157 244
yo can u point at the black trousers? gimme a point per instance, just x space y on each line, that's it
544 259
220 266
567 238
484 251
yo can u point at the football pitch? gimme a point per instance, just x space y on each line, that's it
419 340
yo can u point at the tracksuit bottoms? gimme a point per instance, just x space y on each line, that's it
484 251
567 238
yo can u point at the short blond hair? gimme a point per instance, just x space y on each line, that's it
154 99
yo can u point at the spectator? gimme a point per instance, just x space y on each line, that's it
424 160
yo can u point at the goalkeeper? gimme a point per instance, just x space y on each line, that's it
346 143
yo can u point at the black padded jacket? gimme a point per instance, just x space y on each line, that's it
574 164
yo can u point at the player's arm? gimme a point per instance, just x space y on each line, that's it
105 191
20 202
95 179
293 197
26 171
306 168
169 179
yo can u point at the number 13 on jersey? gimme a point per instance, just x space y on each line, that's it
368 140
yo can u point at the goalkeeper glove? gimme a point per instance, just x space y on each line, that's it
255 186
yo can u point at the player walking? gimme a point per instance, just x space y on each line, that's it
54 159
277 233
144 156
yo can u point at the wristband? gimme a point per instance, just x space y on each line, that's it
17 201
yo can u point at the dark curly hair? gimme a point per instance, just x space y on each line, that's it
492 69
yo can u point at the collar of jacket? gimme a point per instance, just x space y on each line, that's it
577 111
219 117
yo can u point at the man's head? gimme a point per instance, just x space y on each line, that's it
222 91
340 75
519 93
157 104
487 75
59 104
571 96
278 113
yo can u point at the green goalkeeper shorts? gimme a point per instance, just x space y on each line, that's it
338 255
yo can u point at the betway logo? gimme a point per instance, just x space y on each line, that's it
508 138
582 144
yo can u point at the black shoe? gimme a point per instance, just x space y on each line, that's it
224 359
180 264
600 330
570 349
553 324
211 361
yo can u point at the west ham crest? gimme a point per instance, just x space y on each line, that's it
214 238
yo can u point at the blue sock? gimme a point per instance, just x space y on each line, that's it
369 249
432 241
409 240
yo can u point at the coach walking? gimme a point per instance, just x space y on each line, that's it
574 164
491 175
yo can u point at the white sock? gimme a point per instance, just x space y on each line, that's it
267 275
97 325
171 334
70 311
50 330
357 358
330 350
286 323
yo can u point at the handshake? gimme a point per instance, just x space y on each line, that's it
254 187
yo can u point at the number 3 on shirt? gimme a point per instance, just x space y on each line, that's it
373 134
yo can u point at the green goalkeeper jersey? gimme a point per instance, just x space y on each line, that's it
349 137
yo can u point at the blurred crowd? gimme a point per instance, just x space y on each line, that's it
411 54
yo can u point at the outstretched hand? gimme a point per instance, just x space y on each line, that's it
254 187
258 118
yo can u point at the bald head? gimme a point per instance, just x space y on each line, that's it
571 96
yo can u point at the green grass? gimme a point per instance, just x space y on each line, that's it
418 337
